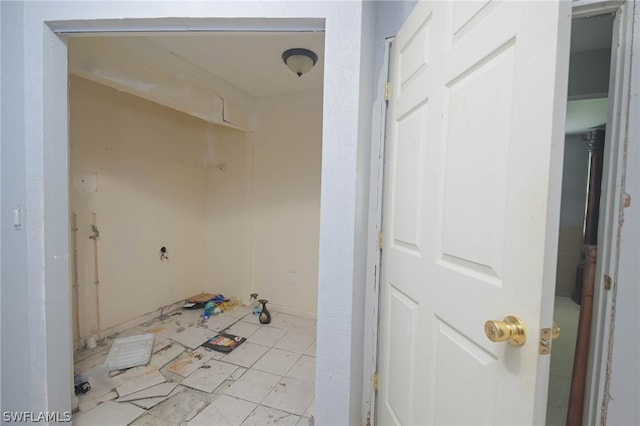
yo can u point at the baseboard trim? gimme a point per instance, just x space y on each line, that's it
131 323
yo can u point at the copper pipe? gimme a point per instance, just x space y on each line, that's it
75 285
581 356
96 271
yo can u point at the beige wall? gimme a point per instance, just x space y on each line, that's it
227 258
239 212
150 185
574 182
286 200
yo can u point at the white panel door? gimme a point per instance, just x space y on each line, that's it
475 135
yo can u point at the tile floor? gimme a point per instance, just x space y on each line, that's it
566 313
268 380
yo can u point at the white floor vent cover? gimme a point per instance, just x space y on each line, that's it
130 352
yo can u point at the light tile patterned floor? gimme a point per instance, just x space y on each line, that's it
268 380
566 313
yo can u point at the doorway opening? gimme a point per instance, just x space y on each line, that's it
587 115
190 174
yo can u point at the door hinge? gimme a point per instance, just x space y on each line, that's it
381 240
608 282
387 91
376 381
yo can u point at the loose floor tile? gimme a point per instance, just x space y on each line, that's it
238 373
166 355
290 395
192 337
196 410
294 341
245 355
139 383
253 385
224 410
122 376
149 403
190 362
304 369
161 343
277 361
109 413
220 322
251 371
163 389
149 420
209 376
176 408
242 329
263 416
267 336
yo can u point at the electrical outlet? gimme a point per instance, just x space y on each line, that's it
292 277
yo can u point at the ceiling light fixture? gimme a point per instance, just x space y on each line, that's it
299 60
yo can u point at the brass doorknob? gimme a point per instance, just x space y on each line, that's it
511 329
555 331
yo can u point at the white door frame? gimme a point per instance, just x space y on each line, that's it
40 100
611 207
372 291
610 218
77 29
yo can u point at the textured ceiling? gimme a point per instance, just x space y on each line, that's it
250 61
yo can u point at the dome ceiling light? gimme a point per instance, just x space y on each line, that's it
299 60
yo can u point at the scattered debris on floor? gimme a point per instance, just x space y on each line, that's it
201 298
212 304
81 384
132 351
223 342
190 370
189 362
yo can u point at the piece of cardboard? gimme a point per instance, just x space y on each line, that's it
201 298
